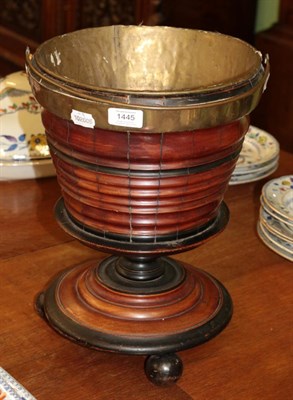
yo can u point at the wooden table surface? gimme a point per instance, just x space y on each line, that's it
252 359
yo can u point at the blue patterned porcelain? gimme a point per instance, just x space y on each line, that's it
259 149
275 226
10 389
238 179
273 243
278 193
24 152
258 158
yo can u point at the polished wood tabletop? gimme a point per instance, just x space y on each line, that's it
252 359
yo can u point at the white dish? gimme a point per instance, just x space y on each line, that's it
259 148
23 142
275 226
263 168
282 244
26 170
252 177
277 216
269 243
278 193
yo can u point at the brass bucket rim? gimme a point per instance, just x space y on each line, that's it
172 111
239 80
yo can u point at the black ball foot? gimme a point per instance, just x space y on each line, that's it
163 370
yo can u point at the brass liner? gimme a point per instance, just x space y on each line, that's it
181 79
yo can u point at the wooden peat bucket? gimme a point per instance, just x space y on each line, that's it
145 125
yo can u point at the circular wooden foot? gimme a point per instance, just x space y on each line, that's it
39 304
163 370
95 305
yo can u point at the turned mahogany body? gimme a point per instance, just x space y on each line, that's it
138 185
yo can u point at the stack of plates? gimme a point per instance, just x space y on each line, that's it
275 225
259 157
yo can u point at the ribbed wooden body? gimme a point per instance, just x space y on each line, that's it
143 185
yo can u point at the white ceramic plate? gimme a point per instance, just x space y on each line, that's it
275 226
277 216
26 170
278 193
263 168
22 137
282 244
252 177
269 243
259 149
